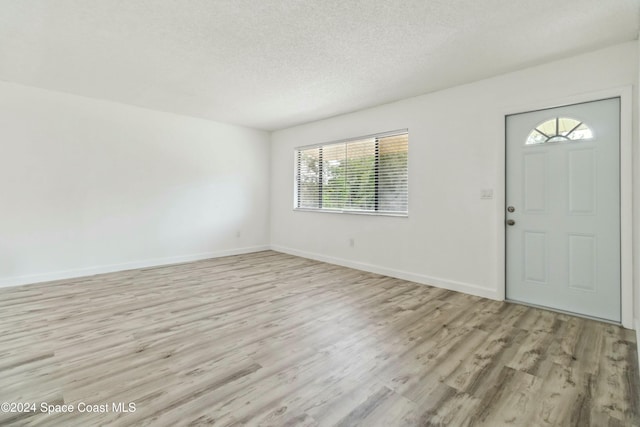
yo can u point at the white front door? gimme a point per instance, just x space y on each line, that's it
563 208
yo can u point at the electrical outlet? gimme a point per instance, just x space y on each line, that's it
238 233
352 242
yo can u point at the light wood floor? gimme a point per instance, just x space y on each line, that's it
272 339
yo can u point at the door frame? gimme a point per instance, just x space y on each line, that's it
625 93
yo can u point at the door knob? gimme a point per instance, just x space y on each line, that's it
511 222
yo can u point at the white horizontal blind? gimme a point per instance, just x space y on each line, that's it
308 178
393 176
362 175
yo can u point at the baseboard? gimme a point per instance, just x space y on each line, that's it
100 269
638 341
466 288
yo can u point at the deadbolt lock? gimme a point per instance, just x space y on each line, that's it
511 209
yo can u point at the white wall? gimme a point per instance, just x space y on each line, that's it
88 186
451 237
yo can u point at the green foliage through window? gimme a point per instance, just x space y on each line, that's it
363 175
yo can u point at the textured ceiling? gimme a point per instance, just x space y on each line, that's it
271 64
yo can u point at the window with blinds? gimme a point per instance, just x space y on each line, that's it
368 174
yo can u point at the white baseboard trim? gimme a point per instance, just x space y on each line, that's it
466 288
637 321
111 268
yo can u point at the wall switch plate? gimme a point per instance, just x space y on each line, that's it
486 193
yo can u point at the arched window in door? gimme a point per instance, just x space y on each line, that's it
559 129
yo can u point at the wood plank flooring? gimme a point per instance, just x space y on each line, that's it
268 339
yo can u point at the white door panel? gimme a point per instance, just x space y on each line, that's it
563 251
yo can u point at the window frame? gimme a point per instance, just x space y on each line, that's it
376 212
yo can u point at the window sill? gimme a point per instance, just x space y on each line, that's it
338 211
